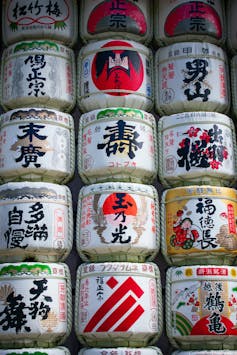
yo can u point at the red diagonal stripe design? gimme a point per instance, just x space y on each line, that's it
130 320
128 285
116 315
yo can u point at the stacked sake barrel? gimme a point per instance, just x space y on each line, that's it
37 160
118 301
197 166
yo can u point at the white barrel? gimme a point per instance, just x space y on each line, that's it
197 148
36 306
191 76
233 80
108 19
37 144
181 20
38 73
231 25
201 307
198 225
118 304
118 221
36 222
205 352
55 20
115 72
60 350
117 144
149 350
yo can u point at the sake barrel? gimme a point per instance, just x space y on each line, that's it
233 81
118 304
115 72
205 352
117 144
231 25
36 222
56 20
149 350
60 350
191 76
108 19
37 144
197 148
201 307
118 221
198 225
35 308
39 73
177 21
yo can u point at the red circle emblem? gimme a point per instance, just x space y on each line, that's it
193 17
120 203
108 16
117 68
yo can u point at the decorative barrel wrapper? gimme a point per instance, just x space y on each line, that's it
39 74
115 72
118 222
177 21
191 76
205 352
231 24
117 144
36 222
118 304
149 350
56 21
197 148
36 351
198 225
201 307
35 304
37 144
107 19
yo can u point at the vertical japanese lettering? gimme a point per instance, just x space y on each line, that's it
17 313
202 148
21 229
30 150
195 73
35 78
206 208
